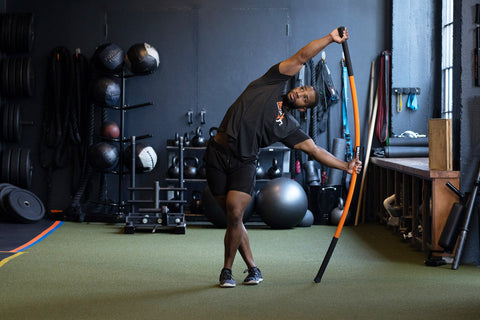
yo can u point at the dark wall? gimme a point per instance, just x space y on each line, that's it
209 51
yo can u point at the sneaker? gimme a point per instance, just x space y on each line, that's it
226 279
254 276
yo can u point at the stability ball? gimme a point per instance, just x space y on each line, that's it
108 58
307 220
282 203
142 58
215 214
103 156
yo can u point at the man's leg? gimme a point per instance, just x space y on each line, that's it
236 237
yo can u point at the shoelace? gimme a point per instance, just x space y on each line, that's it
252 272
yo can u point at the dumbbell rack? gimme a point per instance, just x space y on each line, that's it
157 217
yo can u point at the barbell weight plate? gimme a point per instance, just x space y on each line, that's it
14 166
8 127
4 77
30 34
18 77
8 26
11 77
4 121
4 191
6 165
25 205
2 31
11 117
26 169
29 77
16 126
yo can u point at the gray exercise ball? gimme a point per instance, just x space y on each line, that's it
307 220
282 203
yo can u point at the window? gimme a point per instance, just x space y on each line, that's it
447 58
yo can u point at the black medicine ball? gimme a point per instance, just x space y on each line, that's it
106 91
103 156
108 57
145 158
142 58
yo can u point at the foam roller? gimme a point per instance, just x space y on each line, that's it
405 151
338 150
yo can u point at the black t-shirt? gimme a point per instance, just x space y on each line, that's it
256 119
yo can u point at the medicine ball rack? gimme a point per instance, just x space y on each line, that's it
157 217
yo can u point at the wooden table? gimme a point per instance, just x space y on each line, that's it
422 193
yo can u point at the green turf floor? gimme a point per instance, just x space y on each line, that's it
94 271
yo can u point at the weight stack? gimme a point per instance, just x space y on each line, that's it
321 202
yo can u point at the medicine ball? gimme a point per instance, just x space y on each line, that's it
103 156
108 57
110 130
282 203
214 212
142 58
145 158
106 91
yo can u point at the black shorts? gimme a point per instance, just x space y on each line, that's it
226 172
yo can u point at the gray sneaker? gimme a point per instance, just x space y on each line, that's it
254 276
226 279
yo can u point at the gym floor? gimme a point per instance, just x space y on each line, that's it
95 271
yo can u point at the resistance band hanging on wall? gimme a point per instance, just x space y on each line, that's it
353 90
346 129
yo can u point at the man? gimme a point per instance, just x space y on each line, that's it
258 118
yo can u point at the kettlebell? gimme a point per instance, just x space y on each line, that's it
190 171
260 171
186 140
174 207
274 171
174 170
173 142
196 203
337 212
198 140
212 132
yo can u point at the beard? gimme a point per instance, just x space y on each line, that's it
287 103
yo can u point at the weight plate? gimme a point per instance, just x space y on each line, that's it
30 35
17 127
25 205
29 77
9 119
14 36
4 84
11 115
6 165
26 169
4 121
2 31
11 77
4 191
8 26
14 166
18 77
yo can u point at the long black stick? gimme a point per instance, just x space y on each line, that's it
464 230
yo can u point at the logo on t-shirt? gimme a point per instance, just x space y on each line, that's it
280 114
